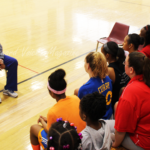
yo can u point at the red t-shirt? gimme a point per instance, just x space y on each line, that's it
133 112
146 51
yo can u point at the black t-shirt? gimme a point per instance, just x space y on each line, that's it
121 80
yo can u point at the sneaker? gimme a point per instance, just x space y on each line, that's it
10 93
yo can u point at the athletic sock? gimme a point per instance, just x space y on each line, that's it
36 147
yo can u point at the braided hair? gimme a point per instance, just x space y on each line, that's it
63 135
147 36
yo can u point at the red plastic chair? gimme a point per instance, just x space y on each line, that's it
117 34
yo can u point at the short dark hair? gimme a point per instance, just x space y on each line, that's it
93 105
63 135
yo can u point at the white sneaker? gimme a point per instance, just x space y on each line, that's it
10 93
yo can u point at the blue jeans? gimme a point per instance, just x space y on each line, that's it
11 65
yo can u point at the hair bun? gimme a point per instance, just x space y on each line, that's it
59 74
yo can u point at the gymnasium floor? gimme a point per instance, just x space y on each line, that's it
50 34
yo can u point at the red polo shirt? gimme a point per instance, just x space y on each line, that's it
146 51
133 112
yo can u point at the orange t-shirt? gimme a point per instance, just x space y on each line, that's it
67 109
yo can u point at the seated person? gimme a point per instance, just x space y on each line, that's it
115 57
10 64
145 33
132 42
96 67
63 135
132 119
96 135
66 107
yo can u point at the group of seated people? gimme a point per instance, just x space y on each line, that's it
110 110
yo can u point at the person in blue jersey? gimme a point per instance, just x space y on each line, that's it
96 66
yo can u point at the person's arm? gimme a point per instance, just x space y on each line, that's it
82 91
86 141
51 118
111 74
119 136
44 124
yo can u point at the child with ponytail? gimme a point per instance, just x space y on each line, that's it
63 136
96 66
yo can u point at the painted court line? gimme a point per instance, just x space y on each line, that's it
59 65
54 67
27 68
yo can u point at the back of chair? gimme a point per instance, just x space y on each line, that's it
119 31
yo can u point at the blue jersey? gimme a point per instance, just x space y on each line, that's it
104 87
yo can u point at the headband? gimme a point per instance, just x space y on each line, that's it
54 91
107 49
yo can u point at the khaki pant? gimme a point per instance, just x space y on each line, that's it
127 142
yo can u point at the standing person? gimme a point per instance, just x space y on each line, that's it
63 135
96 135
96 66
10 64
145 33
132 42
132 119
115 57
66 107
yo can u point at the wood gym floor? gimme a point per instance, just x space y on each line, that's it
44 36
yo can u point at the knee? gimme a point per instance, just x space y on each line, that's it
15 62
35 129
32 128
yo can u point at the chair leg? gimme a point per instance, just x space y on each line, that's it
97 46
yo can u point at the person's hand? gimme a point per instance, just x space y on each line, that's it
39 120
1 61
2 66
42 118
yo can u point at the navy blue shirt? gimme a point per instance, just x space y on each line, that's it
95 84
